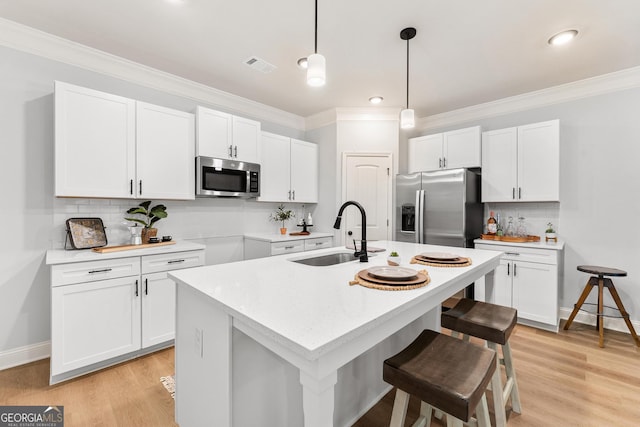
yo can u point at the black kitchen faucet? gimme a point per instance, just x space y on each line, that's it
362 253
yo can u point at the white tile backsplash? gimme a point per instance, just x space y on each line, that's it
536 215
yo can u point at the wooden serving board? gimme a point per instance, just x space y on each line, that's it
512 239
107 249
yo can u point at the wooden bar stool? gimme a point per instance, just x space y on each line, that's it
602 283
494 324
447 374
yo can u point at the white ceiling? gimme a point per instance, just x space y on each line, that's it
466 52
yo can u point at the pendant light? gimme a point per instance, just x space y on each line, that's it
407 116
316 64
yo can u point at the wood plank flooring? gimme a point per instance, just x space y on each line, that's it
565 379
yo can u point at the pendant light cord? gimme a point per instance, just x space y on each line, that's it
316 29
407 74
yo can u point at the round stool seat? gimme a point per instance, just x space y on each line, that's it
602 271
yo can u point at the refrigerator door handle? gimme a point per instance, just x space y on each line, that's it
420 201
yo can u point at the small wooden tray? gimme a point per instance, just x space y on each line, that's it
512 239
107 249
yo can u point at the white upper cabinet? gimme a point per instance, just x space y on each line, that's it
289 170
165 151
114 147
448 150
225 136
95 137
522 163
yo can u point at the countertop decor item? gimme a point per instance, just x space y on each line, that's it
394 259
150 215
282 215
550 233
85 233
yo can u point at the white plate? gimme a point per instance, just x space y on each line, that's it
392 273
443 256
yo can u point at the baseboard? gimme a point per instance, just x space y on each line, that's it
590 319
21 355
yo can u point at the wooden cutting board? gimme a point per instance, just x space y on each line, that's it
107 249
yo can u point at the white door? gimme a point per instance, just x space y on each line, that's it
502 287
165 150
214 133
158 309
304 171
367 180
274 168
461 148
246 137
539 162
535 293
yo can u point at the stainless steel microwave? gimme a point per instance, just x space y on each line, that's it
226 178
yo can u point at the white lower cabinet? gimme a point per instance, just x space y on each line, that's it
263 246
527 279
106 311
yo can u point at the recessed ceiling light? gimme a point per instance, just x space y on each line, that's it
376 99
302 63
563 37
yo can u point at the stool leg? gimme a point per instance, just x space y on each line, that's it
581 300
399 412
511 377
600 311
623 312
482 413
496 390
454 422
424 420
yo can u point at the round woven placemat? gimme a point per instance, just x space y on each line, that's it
414 260
357 280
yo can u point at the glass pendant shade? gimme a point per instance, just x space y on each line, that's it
316 70
407 119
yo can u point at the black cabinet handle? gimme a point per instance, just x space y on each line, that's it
519 193
508 269
104 270
136 287
146 286
514 269
130 186
140 187
175 261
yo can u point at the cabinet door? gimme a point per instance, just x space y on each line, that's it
502 284
92 322
165 153
158 309
275 159
499 165
246 137
304 171
214 133
539 162
94 143
461 148
425 153
535 291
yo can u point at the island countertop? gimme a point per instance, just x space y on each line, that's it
313 310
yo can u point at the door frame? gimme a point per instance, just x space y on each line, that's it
390 183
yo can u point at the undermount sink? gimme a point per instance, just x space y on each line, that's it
327 259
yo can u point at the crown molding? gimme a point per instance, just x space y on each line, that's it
334 115
30 40
606 83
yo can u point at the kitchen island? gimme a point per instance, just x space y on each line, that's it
325 339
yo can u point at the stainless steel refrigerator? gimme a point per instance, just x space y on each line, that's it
439 208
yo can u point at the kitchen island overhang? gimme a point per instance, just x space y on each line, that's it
308 316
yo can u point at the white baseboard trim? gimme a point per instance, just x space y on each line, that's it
590 319
21 355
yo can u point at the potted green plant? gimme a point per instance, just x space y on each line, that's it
394 259
282 215
550 233
150 215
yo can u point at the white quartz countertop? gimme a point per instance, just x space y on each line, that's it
558 246
62 256
313 310
274 238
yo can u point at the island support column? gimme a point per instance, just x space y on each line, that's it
317 399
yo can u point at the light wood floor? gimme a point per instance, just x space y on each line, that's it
565 379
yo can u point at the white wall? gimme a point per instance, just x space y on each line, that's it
599 193
34 220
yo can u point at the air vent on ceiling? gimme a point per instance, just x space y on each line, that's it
260 64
